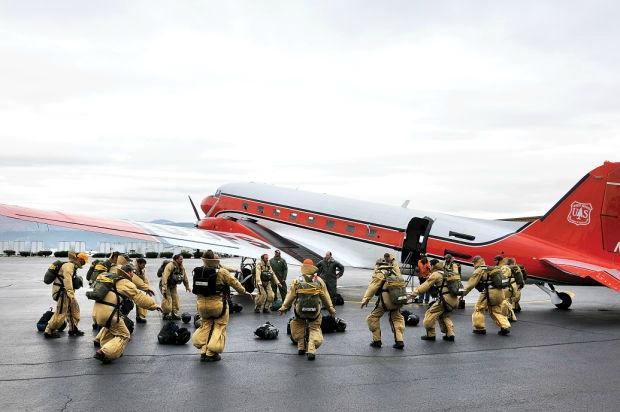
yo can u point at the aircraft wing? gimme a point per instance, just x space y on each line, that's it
192 238
606 276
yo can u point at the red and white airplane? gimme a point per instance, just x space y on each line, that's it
576 242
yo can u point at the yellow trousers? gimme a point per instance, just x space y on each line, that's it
65 311
170 303
114 339
397 323
310 331
210 337
495 312
265 296
437 313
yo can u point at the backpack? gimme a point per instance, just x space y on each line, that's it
267 331
338 300
394 285
53 272
160 271
452 282
42 323
94 271
517 275
494 277
204 281
171 334
308 302
102 286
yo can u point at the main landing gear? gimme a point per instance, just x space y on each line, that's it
561 300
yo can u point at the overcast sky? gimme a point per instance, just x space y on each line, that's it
482 108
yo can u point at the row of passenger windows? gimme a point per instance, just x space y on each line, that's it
330 224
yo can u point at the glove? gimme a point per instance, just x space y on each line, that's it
364 303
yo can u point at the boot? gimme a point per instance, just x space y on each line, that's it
301 352
479 331
376 343
205 358
256 310
53 335
266 310
100 356
311 356
503 332
429 338
76 333
399 344
448 338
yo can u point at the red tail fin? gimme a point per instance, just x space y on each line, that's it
587 218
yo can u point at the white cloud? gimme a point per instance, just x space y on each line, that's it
121 109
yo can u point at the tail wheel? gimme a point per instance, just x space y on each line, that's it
566 301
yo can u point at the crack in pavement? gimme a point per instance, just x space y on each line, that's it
64 408
294 354
71 376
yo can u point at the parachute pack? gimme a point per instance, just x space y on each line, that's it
308 302
331 324
411 319
53 272
267 331
204 281
163 265
42 323
394 285
265 275
96 268
452 282
517 275
102 286
171 334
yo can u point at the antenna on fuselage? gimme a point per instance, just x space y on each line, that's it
405 204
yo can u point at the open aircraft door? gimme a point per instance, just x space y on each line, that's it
416 237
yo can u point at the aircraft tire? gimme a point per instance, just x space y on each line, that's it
566 301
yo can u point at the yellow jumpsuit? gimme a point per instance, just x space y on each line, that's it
140 284
114 335
437 312
67 307
210 338
492 303
141 281
170 303
310 328
507 308
383 305
265 296
514 292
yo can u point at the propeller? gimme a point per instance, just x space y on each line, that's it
194 207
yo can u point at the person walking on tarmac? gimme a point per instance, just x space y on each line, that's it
174 274
67 307
389 286
140 273
280 268
448 284
264 278
330 271
307 294
107 310
507 311
211 283
489 283
517 283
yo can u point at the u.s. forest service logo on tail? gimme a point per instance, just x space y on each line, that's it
580 213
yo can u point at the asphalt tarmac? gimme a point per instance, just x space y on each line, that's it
552 360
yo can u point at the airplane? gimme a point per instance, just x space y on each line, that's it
577 242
